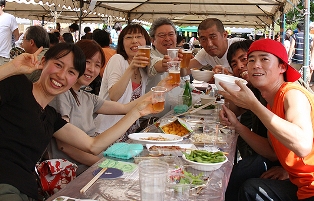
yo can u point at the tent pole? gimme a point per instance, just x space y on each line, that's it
80 19
306 38
43 21
282 25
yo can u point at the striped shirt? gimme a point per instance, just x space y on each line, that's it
299 48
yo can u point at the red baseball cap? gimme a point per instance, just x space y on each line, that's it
277 49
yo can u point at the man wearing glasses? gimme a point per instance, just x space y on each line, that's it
8 27
163 36
34 38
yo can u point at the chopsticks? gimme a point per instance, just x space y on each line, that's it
195 110
91 182
201 107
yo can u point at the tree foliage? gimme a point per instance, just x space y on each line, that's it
294 16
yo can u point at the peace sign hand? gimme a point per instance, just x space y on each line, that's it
26 63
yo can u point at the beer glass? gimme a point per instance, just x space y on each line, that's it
173 53
174 71
144 49
187 55
158 98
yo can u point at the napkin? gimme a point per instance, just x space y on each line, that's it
123 150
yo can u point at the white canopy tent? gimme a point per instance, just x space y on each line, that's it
235 13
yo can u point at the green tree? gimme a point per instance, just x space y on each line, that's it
294 16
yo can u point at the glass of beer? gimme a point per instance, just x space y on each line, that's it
173 53
187 55
174 71
144 49
158 98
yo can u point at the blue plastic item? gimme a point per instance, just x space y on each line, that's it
180 109
123 150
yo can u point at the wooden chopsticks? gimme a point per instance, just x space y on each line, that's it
194 110
201 107
91 182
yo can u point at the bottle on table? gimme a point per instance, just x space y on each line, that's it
187 92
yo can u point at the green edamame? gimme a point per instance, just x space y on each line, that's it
203 156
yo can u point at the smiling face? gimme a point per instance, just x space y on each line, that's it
93 66
265 70
239 64
58 75
131 41
165 38
213 42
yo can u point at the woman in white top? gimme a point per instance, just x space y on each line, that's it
125 78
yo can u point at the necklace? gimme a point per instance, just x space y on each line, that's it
135 75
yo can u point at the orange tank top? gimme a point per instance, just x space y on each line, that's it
301 170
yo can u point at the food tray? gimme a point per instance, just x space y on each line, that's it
184 131
163 150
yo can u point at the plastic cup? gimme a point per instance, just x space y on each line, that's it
144 49
179 192
211 130
187 55
158 98
174 71
183 100
224 135
173 53
208 99
153 176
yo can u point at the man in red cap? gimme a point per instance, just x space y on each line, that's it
289 118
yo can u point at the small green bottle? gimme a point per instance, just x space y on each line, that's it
187 92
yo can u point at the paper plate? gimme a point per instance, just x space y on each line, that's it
144 138
111 173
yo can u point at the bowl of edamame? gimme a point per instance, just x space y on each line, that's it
204 160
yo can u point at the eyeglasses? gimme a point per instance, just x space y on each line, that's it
163 35
138 37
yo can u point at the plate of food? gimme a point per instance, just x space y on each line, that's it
169 149
155 138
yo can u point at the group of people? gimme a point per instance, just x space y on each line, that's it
54 111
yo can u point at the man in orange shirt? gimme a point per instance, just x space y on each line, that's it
289 118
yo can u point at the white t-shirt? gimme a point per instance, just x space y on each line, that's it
7 25
287 45
113 72
204 58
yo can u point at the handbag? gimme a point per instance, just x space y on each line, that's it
55 174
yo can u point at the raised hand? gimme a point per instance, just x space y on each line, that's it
166 83
164 62
26 63
227 117
145 107
244 98
139 61
219 69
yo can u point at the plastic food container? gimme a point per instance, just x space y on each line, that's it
228 80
